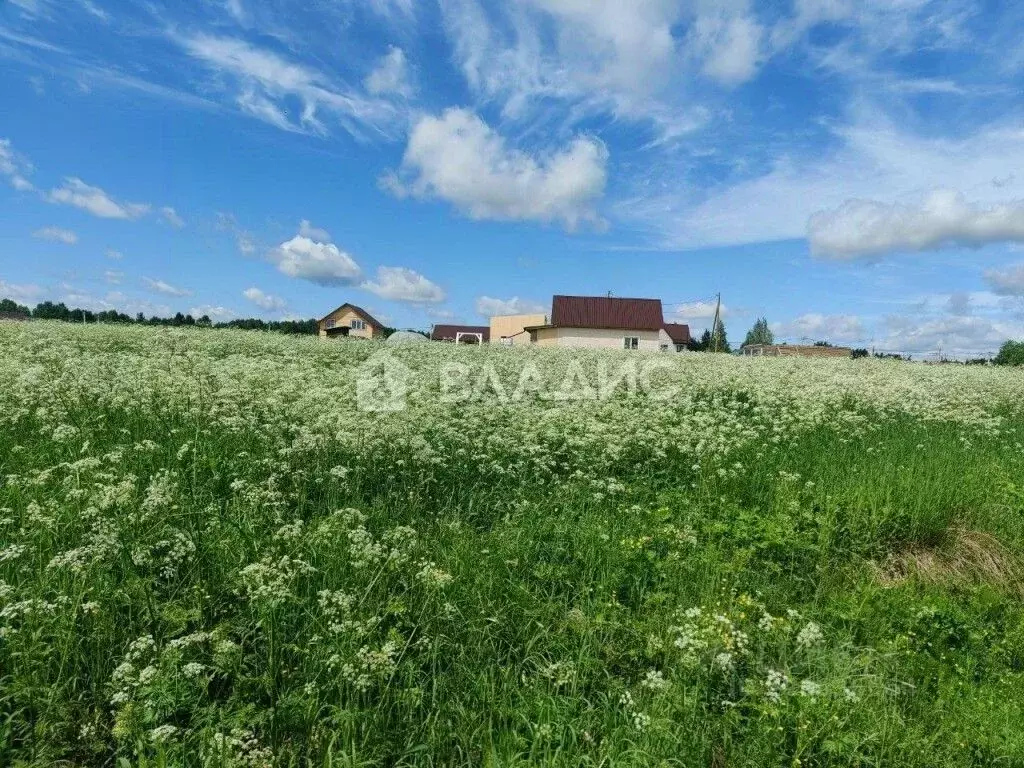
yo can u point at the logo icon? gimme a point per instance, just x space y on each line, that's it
382 384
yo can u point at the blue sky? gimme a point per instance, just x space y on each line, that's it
851 170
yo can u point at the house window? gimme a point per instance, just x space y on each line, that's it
330 323
631 342
359 325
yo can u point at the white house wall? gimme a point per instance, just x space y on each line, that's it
603 338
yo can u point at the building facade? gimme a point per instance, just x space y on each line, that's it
605 322
510 330
350 321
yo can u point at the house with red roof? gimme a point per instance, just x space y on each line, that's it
608 322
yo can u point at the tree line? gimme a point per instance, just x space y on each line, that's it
47 310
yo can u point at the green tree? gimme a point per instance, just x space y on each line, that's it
719 340
1011 353
702 344
760 333
13 307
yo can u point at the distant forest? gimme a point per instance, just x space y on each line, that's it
47 310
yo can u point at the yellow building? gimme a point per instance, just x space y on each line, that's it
350 320
511 329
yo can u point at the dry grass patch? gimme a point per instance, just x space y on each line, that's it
964 557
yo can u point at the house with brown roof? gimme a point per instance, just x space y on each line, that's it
679 333
350 320
604 322
461 334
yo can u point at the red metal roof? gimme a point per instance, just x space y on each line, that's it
607 312
450 332
678 332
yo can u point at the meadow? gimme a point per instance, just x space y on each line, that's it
212 554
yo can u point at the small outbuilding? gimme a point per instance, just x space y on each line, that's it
461 334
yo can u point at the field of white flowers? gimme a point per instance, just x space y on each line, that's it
212 554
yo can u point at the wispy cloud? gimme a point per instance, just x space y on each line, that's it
403 284
265 79
56 235
14 167
264 300
487 306
171 216
869 228
95 201
24 293
391 75
160 286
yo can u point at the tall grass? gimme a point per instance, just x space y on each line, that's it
209 556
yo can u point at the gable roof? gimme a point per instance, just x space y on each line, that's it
450 332
359 311
678 332
607 312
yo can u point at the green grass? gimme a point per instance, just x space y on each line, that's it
494 585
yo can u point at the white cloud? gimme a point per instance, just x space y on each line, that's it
440 313
957 337
730 46
320 263
171 217
21 293
457 157
860 228
264 109
245 241
113 276
115 255
236 9
697 314
246 245
95 10
1007 282
402 284
873 160
216 313
306 229
391 75
267 82
265 300
596 56
836 329
394 10
94 200
14 167
56 235
159 286
487 306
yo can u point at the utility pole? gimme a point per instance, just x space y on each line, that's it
714 328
